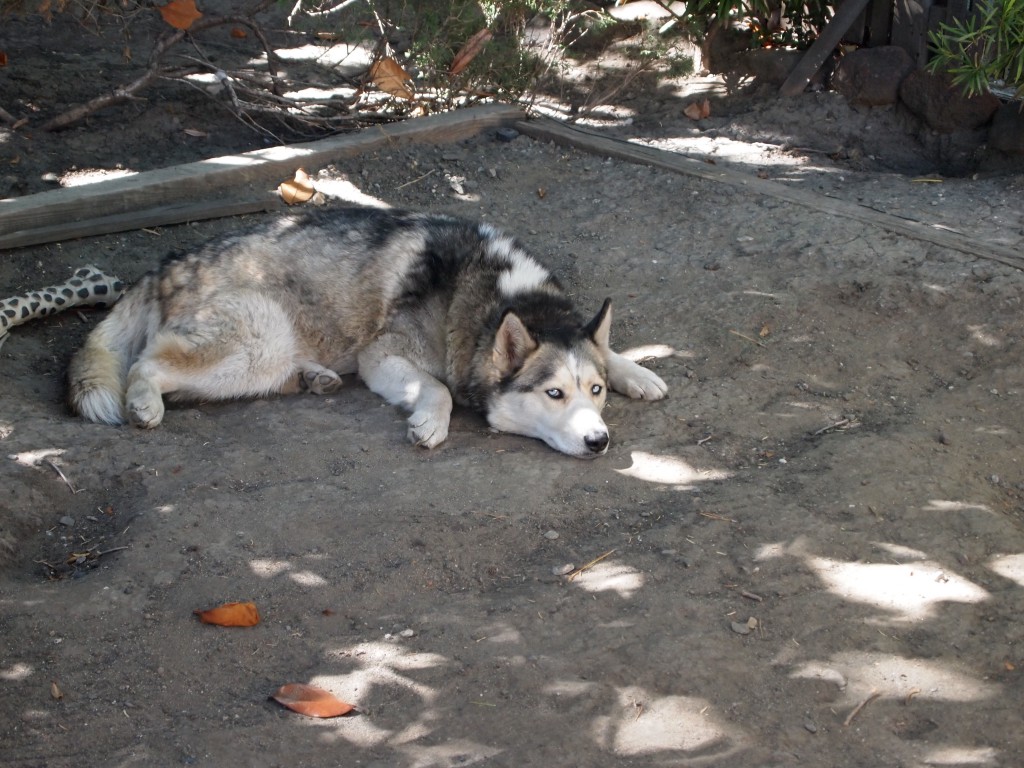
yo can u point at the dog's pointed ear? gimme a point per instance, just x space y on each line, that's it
600 328
512 344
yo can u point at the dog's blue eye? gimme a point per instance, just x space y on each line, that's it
596 389
554 394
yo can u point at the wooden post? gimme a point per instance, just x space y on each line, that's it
822 48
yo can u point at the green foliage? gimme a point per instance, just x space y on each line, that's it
776 23
988 47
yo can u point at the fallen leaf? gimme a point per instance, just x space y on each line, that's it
389 76
310 700
765 331
469 51
1009 666
238 32
3 58
55 691
231 615
298 189
180 14
698 110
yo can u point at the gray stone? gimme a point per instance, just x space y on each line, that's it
872 76
942 106
1007 131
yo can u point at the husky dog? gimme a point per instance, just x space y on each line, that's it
426 308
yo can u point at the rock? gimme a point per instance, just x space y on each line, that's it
723 49
740 628
769 65
562 570
872 76
1007 131
551 535
943 106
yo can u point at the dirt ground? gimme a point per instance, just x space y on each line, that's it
813 550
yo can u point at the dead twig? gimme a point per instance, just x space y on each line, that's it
846 423
748 338
591 564
856 710
63 477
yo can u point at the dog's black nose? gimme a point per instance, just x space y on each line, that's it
597 443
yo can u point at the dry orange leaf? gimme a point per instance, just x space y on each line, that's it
180 14
389 76
231 615
698 110
469 51
297 190
310 700
3 58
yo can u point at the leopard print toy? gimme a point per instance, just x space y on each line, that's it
88 286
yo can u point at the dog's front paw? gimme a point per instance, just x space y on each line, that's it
632 380
428 428
145 408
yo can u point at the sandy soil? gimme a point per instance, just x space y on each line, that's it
813 550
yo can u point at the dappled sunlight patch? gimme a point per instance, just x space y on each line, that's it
36 457
900 552
944 505
911 592
308 579
984 337
653 352
645 724
6 428
859 674
19 670
269 568
669 470
615 577
569 687
341 189
499 633
81 177
454 752
1009 567
961 756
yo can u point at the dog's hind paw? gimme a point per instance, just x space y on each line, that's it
319 381
428 428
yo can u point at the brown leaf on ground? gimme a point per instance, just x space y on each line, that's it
180 14
388 75
231 615
311 701
469 51
297 190
698 110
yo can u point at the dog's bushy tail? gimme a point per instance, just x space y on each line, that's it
98 374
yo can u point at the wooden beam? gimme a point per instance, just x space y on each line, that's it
196 191
551 130
822 48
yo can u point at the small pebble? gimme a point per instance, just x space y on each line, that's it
67 521
506 134
408 633
740 628
562 570
810 727
551 535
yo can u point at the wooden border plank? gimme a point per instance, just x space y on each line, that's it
192 191
551 130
